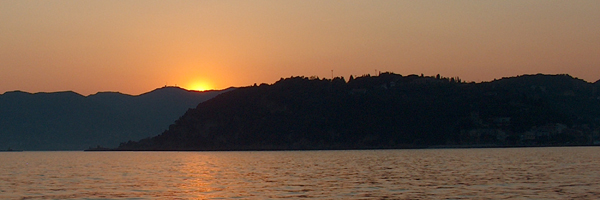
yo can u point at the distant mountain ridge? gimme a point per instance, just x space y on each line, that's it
389 111
70 121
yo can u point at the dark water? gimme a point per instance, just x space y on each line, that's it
518 173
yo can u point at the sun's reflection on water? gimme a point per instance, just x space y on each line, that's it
546 173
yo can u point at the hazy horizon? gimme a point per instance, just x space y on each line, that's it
145 92
272 82
135 46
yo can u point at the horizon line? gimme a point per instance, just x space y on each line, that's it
355 76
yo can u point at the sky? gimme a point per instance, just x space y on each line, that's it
134 46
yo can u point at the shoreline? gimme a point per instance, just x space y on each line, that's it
349 149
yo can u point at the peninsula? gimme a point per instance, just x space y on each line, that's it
388 111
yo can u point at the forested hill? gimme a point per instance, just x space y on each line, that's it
70 121
389 111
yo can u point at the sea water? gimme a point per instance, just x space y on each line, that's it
511 173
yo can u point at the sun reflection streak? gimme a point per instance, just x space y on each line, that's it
203 173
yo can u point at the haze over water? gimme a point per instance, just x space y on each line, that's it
514 173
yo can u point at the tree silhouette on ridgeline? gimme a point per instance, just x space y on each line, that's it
388 111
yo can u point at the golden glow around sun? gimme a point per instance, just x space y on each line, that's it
199 86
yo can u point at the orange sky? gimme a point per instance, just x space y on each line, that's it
135 46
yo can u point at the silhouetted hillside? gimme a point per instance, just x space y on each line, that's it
388 111
70 121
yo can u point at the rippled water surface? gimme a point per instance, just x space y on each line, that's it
516 173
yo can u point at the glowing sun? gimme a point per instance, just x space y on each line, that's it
199 86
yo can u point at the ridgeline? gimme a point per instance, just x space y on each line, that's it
389 111
70 121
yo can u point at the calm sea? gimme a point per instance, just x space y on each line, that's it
516 173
